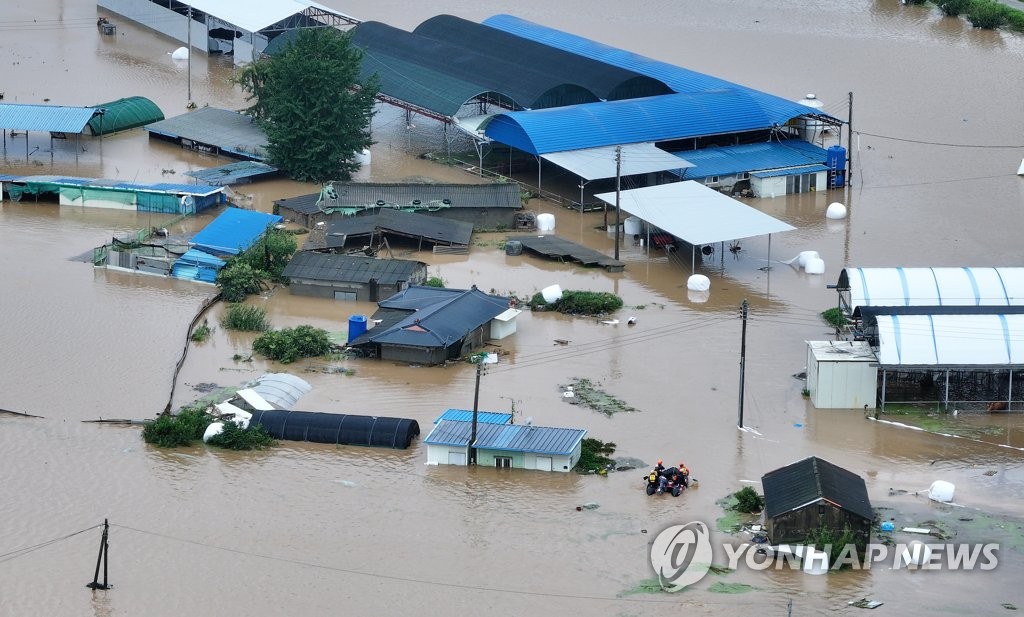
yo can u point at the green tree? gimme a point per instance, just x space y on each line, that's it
310 102
271 253
238 279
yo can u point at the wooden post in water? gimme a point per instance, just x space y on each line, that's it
101 557
743 358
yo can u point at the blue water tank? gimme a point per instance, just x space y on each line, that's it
835 160
356 326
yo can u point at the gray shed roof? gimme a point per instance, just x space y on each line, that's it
431 228
507 437
228 130
810 480
350 269
403 196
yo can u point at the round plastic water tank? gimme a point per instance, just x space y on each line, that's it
806 256
363 157
180 53
916 553
215 428
545 222
940 490
698 282
815 265
632 226
811 129
356 326
836 211
513 247
551 294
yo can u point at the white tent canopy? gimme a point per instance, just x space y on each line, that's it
255 16
935 286
599 163
951 340
695 213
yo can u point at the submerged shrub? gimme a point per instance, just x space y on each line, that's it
952 8
246 318
238 279
747 500
181 429
580 302
234 437
290 344
987 14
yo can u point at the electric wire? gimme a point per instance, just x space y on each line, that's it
21 552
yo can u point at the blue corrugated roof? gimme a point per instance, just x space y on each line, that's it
508 437
484 417
44 117
790 171
195 265
651 119
233 231
728 160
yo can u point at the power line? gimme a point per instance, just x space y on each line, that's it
21 552
938 143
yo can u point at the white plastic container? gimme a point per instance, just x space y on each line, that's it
633 226
836 211
551 294
545 221
806 255
215 428
180 53
815 265
363 157
941 491
698 282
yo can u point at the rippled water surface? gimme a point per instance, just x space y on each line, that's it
306 529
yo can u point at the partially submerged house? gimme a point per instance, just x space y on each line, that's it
841 374
431 325
395 226
485 206
214 131
505 446
162 197
814 497
351 277
229 234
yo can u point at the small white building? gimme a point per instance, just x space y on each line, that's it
505 446
842 374
504 324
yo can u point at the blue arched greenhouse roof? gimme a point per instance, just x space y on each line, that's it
651 119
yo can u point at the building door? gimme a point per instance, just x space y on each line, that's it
544 463
456 458
345 295
503 462
374 290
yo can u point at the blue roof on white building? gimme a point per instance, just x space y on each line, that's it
233 231
508 437
466 415
729 160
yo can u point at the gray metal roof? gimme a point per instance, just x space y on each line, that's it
228 130
431 228
44 117
559 248
431 196
232 172
805 482
350 269
508 437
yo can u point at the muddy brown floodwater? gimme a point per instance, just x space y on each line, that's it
305 529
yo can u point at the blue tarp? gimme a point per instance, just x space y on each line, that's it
196 265
233 231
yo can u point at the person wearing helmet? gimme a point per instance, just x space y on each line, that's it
684 474
660 467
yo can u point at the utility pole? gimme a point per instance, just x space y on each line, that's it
618 186
476 404
189 26
743 358
849 137
95 584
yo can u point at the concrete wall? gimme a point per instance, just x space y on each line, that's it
442 455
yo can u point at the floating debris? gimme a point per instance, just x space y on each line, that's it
720 587
588 394
865 603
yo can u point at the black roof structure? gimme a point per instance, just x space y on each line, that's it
350 269
418 196
555 247
448 61
433 229
805 482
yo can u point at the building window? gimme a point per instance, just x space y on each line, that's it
503 462
745 175
821 508
711 180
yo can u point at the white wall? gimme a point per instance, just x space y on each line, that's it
439 455
841 385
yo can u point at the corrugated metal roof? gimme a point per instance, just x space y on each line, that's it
651 119
402 195
805 482
15 116
790 171
484 417
950 340
233 231
232 172
438 316
351 269
842 351
199 190
230 131
255 16
196 265
696 213
933 286
773 155
124 114
434 229
508 437
633 159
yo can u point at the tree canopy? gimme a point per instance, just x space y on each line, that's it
309 101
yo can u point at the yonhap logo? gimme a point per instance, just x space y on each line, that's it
681 555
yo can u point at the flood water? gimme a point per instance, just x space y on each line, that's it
306 529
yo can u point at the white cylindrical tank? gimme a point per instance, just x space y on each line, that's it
815 265
814 562
551 294
940 490
810 130
632 226
363 157
545 221
916 553
215 428
806 256
698 297
180 53
836 211
698 282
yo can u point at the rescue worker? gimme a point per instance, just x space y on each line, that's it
659 467
685 473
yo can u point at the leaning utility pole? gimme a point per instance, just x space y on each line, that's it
189 26
618 186
743 358
95 584
849 137
476 403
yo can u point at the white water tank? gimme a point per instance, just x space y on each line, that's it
362 157
545 222
815 265
698 282
916 553
632 226
551 294
806 256
836 211
941 491
698 297
180 53
215 428
810 130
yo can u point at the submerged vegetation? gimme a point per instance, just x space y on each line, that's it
265 260
291 344
589 394
246 318
202 332
580 303
835 318
181 429
234 437
748 501
595 455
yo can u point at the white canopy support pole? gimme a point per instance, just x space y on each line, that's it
693 259
884 375
539 160
769 251
1009 395
946 396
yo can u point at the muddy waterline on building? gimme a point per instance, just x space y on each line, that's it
312 529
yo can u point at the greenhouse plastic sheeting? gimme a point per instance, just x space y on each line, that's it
341 429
